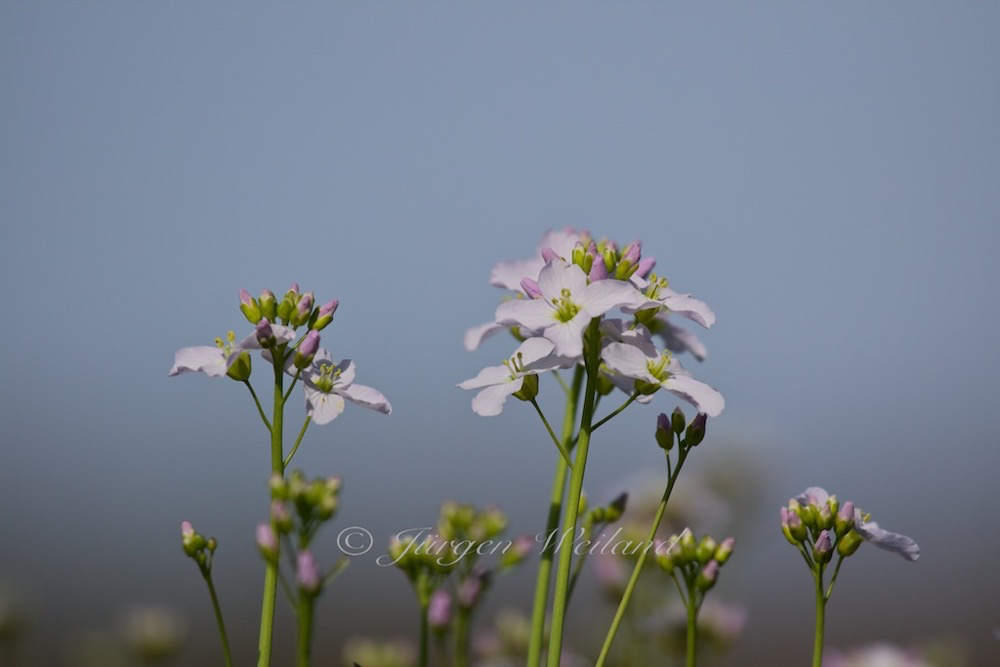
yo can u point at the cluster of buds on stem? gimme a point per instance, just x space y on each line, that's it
603 259
695 562
295 309
670 428
198 548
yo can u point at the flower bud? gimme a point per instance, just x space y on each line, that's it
307 350
844 520
240 367
687 548
531 288
529 388
833 504
664 432
307 573
267 542
708 575
724 550
792 527
286 309
281 517
666 561
577 256
696 430
616 508
265 335
677 420
278 486
849 543
519 549
823 549
610 258
470 590
824 518
303 310
646 265
268 305
604 385
249 307
597 271
191 541
439 611
324 315
705 550
548 254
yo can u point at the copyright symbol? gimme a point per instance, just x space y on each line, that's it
354 541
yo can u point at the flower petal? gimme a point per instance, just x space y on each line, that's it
282 334
366 397
487 377
678 339
884 539
323 408
476 335
622 332
687 306
533 350
627 360
489 402
508 275
697 393
206 359
558 276
532 314
568 336
604 295
814 495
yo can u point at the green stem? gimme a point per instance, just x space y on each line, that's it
615 413
424 635
552 434
304 644
544 578
256 400
298 440
462 629
820 619
284 398
592 352
277 467
692 629
637 570
218 619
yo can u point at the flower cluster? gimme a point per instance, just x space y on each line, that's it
817 518
198 548
276 323
696 563
572 282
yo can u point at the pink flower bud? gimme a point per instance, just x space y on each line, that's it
265 335
309 344
266 539
245 298
632 252
646 265
305 304
548 254
307 572
439 611
531 288
294 288
187 531
598 271
328 308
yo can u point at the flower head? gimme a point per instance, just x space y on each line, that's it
327 385
496 383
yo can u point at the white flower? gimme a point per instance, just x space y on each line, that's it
215 361
566 306
664 371
510 274
533 356
327 385
677 339
684 305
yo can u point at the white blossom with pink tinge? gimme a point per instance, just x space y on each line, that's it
327 384
214 361
496 383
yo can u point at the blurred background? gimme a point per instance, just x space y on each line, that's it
827 178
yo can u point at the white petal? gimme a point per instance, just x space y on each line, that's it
622 332
884 539
487 377
627 360
814 495
476 335
678 340
509 274
205 359
604 295
489 402
568 336
346 377
561 240
697 393
557 276
366 397
533 349
323 408
532 314
281 333
687 306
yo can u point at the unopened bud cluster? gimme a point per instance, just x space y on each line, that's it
198 548
695 562
669 429
295 309
821 527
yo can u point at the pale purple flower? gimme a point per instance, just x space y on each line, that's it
567 305
215 361
496 383
327 385
684 305
663 370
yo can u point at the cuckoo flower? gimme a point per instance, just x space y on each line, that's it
662 371
496 383
218 360
566 306
869 530
558 243
327 385
684 305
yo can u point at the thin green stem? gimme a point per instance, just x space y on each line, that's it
552 434
305 619
833 580
298 440
692 629
218 619
616 412
277 467
562 383
463 627
424 635
588 533
284 398
544 579
637 570
592 345
820 619
256 400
